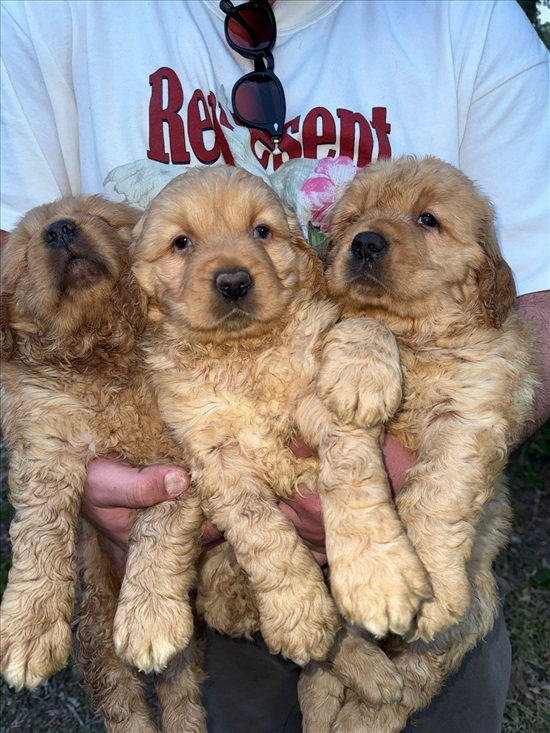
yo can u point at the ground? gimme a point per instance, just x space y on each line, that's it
60 705
526 567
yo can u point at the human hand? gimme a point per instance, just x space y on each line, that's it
397 461
113 488
304 510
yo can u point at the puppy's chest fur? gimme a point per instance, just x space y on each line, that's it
244 395
99 406
485 377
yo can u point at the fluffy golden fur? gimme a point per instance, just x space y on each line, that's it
237 326
73 388
412 243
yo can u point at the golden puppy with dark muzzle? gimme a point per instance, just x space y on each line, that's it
238 324
73 388
412 243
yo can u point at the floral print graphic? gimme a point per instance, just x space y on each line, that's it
319 192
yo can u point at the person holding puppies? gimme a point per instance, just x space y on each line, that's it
467 82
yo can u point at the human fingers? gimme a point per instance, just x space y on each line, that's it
300 448
112 488
303 509
397 461
113 483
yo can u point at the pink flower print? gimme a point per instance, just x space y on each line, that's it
319 192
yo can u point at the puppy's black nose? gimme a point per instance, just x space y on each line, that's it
368 246
233 284
60 233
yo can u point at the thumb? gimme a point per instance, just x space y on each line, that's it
113 483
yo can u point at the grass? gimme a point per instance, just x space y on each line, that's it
61 706
57 706
526 567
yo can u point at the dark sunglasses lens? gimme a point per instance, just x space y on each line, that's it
259 101
251 29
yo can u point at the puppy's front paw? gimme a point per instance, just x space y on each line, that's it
363 666
360 376
382 685
150 633
383 589
357 717
302 627
32 649
321 695
447 608
225 598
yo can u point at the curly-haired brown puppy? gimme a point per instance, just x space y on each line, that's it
237 324
73 388
412 243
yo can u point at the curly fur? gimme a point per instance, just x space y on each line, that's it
73 388
412 243
235 376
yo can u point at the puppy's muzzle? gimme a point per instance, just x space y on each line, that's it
233 285
367 248
60 234
74 260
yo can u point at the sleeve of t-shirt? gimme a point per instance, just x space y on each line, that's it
40 160
506 141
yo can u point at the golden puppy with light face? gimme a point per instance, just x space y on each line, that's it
73 388
237 327
217 277
412 243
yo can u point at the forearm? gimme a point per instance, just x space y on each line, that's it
535 307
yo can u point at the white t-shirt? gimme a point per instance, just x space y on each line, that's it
118 97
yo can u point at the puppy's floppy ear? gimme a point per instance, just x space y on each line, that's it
137 230
6 333
128 298
330 246
311 275
141 273
13 267
497 290
130 301
121 216
342 215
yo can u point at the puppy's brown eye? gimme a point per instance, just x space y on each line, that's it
428 220
181 243
261 232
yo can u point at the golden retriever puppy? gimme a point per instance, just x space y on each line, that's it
412 243
73 388
237 326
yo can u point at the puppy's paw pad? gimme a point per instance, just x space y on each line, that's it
387 595
225 598
382 686
362 405
360 377
149 637
229 616
32 653
308 633
389 689
357 717
437 616
377 407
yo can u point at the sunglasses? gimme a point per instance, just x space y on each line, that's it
258 98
